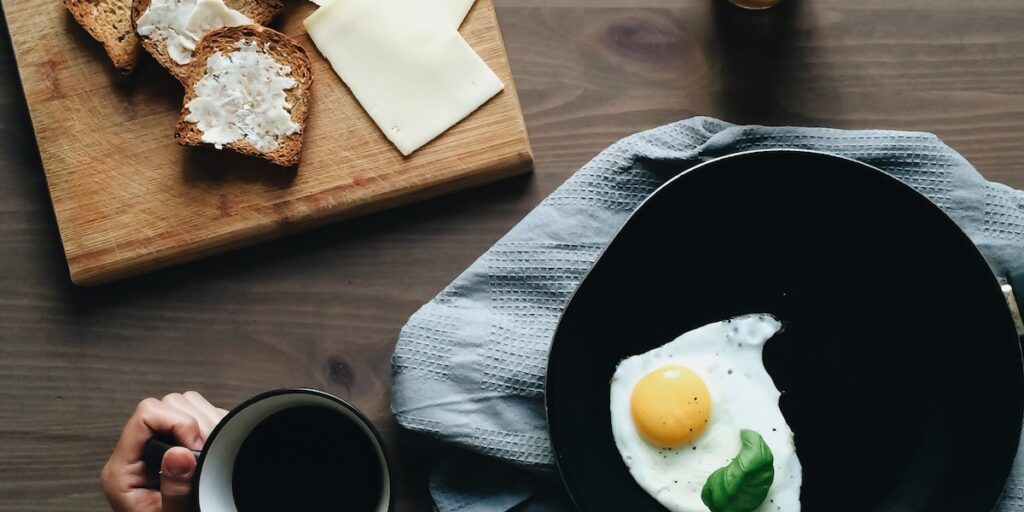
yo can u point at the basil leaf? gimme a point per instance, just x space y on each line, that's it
743 484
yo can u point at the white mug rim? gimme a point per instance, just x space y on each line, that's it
355 415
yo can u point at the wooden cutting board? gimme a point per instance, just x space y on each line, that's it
128 199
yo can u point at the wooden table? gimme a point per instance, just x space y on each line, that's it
324 308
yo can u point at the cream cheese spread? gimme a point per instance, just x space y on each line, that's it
182 23
242 96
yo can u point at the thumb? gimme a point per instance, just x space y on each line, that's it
176 479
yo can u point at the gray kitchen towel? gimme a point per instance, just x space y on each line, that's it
469 365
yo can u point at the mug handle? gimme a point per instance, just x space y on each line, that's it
153 453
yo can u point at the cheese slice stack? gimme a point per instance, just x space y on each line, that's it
405 62
454 10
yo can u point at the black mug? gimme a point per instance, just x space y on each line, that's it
289 449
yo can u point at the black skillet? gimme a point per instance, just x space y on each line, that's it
899 363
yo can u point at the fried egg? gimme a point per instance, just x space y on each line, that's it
677 412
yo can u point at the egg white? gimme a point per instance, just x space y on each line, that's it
727 356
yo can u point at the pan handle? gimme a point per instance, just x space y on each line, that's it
1011 301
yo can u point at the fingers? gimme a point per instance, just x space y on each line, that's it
176 415
201 402
176 480
205 414
153 416
189 419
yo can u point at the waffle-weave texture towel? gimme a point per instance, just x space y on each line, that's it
469 366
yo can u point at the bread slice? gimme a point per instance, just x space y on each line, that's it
285 51
110 23
259 11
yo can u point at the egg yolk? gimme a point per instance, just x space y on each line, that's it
670 406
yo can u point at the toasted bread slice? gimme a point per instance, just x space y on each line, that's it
285 51
110 23
259 11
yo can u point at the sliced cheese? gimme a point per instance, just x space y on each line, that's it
409 68
454 10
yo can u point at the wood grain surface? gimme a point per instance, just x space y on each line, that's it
128 199
323 308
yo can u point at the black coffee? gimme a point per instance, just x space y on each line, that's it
307 459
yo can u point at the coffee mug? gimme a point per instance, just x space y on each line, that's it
288 449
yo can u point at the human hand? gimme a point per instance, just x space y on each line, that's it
189 419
